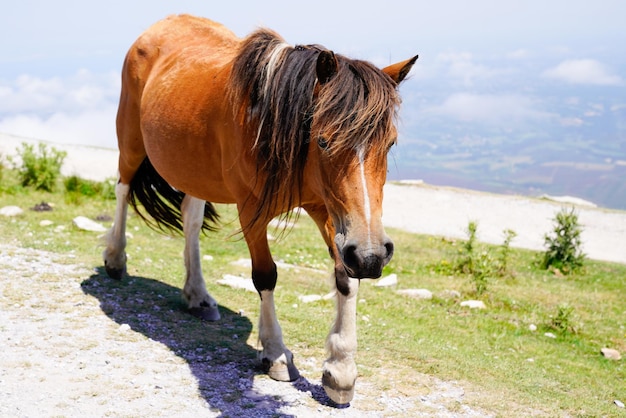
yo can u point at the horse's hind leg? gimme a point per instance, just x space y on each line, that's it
114 255
201 304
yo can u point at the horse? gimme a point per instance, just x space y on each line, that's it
207 117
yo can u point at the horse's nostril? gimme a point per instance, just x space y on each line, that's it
389 247
350 257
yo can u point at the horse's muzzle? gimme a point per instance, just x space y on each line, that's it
365 262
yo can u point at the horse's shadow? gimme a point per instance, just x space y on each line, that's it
217 353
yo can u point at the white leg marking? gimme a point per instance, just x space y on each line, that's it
340 370
275 356
270 333
114 255
195 292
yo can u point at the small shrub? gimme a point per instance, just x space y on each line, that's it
564 244
502 261
479 262
40 169
562 321
76 188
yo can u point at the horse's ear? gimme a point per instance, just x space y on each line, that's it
326 66
399 71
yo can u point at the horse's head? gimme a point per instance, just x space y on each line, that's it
351 132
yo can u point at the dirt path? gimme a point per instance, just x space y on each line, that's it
72 343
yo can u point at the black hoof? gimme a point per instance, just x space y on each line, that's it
117 274
206 313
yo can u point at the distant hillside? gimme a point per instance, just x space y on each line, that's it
585 160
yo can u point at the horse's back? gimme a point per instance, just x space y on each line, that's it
173 81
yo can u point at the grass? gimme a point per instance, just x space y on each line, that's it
505 367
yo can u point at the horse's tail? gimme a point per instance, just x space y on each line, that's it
162 202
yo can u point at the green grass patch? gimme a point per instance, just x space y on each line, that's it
500 352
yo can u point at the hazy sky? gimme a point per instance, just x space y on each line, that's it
482 61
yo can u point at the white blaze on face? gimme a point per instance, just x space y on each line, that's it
366 196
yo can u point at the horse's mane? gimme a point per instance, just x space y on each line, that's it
272 87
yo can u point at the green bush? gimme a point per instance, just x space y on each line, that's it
564 244
479 262
561 321
40 169
76 188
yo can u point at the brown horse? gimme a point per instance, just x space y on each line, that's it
207 117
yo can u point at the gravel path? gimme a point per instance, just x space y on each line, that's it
65 351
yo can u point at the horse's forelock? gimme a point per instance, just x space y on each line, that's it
272 85
358 107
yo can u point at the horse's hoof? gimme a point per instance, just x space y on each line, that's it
341 396
115 273
206 313
280 371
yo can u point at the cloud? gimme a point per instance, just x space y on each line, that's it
95 127
461 66
488 108
584 71
518 54
79 109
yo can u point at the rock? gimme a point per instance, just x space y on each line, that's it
474 304
42 207
87 224
611 354
450 294
124 328
46 222
549 335
387 281
11 211
618 403
532 327
416 293
237 282
207 257
309 298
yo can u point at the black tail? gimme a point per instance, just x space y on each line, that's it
162 202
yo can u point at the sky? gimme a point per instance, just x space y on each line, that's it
483 64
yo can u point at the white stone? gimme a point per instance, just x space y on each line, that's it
473 304
87 224
618 403
207 257
11 211
611 353
46 222
237 282
450 294
124 328
549 335
532 327
387 281
309 298
417 293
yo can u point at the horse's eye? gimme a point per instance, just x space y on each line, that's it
323 143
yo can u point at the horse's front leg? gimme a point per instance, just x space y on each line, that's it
200 303
275 357
114 255
339 374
